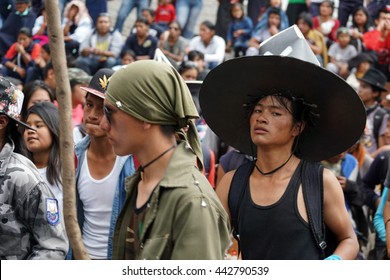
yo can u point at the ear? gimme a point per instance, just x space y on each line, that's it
146 125
3 121
298 128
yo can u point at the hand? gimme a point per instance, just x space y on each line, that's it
19 48
21 72
342 181
273 30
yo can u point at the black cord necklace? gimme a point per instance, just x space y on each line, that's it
142 168
276 169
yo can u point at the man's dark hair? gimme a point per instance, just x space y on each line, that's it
192 55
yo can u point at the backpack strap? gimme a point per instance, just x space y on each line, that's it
378 118
313 194
236 193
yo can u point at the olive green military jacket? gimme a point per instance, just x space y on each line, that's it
185 219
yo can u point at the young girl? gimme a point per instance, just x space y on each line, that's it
361 23
42 146
34 92
188 71
239 31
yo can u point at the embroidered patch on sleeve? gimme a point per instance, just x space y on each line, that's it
52 213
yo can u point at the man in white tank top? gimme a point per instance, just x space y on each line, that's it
99 174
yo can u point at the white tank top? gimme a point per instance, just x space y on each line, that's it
97 197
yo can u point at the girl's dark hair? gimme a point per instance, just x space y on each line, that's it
25 31
175 22
30 88
186 65
209 25
46 47
241 6
48 112
306 18
369 19
329 2
192 55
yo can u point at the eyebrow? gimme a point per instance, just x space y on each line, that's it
270 106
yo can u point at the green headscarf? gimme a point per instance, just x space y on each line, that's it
154 92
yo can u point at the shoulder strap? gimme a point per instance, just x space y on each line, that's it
313 194
378 117
236 193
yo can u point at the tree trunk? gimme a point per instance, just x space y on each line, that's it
63 96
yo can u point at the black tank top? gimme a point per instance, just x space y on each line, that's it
277 231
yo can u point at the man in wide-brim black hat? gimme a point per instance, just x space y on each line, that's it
288 113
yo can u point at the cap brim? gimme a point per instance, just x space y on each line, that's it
18 122
227 87
94 92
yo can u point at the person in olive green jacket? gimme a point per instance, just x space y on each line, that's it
171 211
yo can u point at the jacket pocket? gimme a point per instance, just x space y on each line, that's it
154 248
10 232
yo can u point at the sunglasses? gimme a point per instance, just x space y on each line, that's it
107 114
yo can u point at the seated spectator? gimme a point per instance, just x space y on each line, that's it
340 53
173 45
313 37
263 20
197 58
154 29
141 43
239 31
258 36
78 78
49 76
22 16
188 71
372 84
35 92
77 25
358 66
101 48
165 13
126 57
361 23
36 72
326 23
378 40
21 55
39 30
211 45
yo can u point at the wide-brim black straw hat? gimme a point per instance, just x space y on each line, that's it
232 84
375 78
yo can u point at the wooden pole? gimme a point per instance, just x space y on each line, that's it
63 96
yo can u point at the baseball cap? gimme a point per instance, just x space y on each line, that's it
99 82
78 76
11 101
22 1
